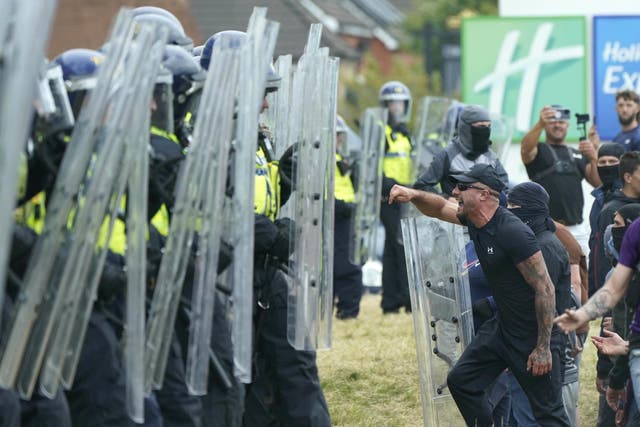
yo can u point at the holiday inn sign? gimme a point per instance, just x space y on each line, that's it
515 66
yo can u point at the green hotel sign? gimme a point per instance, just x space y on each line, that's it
515 66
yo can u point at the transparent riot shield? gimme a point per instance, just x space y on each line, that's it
198 191
213 135
310 303
441 302
369 185
41 299
502 128
432 131
136 274
277 115
24 31
100 203
255 59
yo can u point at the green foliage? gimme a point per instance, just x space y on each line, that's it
361 90
444 17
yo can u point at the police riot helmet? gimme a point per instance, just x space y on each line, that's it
236 39
164 18
79 71
188 79
396 91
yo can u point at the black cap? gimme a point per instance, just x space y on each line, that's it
483 173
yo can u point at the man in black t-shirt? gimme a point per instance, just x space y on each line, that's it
560 169
520 337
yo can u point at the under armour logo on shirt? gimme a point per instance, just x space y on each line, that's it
490 250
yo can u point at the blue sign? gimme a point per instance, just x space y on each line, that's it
616 66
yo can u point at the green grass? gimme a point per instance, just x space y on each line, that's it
370 378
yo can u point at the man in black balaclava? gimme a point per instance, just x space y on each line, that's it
530 202
609 155
469 146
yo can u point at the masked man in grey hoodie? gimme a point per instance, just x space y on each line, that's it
469 146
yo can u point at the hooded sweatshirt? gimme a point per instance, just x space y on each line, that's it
462 153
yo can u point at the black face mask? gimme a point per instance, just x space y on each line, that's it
480 139
617 234
608 175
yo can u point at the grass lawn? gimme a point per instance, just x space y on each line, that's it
369 377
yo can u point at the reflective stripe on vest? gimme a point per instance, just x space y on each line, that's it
163 133
397 162
266 194
343 187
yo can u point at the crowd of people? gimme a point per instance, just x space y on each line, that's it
528 256
538 268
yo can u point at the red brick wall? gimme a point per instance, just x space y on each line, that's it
86 23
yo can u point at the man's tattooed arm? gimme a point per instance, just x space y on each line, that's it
534 271
608 295
599 304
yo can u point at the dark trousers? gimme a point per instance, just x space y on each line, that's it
43 412
395 283
286 389
178 407
482 362
223 404
347 277
97 397
10 409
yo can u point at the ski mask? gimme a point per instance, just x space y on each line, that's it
610 175
533 200
629 213
473 141
480 139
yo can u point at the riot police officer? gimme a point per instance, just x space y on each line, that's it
397 169
347 277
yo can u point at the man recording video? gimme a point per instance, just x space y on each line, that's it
560 169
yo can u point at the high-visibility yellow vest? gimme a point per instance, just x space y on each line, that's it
161 220
397 163
266 198
118 239
343 187
32 213
22 178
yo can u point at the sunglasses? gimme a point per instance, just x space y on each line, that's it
464 187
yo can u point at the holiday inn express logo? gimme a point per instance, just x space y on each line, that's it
515 66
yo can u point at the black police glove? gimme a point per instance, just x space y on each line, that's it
281 248
343 166
287 165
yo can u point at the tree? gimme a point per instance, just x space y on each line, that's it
361 89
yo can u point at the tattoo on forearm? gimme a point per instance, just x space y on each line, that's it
599 304
535 273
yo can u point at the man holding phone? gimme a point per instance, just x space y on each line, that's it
560 169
